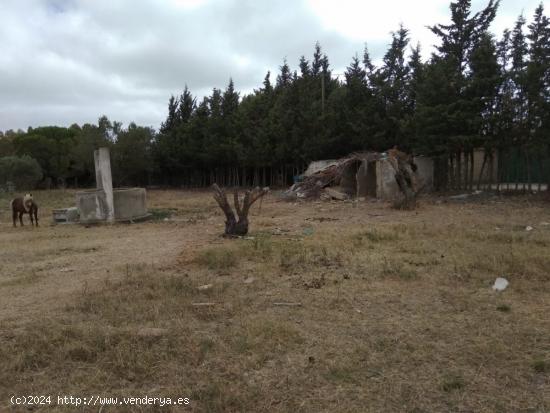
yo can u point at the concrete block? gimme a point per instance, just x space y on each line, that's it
66 215
386 185
130 203
336 193
92 205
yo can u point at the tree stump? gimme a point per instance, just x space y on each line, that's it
406 179
236 225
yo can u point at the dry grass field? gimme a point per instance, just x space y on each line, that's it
384 310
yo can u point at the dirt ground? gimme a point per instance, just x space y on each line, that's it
326 306
42 266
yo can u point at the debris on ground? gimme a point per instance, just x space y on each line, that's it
284 304
249 280
152 332
316 283
279 231
529 228
388 175
504 308
500 284
467 195
308 231
461 196
322 219
205 287
336 193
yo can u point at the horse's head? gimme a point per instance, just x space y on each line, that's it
27 201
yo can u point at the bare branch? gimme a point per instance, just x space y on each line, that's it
221 199
237 203
253 196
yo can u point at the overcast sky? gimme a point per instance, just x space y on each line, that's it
66 61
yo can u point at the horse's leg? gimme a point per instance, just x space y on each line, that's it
32 220
14 217
21 218
36 216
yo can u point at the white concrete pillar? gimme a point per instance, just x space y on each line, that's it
104 179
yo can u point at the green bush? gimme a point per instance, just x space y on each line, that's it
24 171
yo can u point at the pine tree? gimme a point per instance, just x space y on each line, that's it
355 74
350 116
460 36
538 72
186 106
170 122
537 84
215 103
415 77
367 62
268 89
452 64
390 82
483 86
304 67
317 64
285 77
518 54
230 100
504 106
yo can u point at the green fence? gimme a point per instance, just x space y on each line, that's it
517 166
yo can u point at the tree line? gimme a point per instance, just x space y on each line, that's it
476 90
53 156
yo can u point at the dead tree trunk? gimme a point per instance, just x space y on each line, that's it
237 225
404 175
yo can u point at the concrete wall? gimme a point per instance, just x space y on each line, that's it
92 206
348 182
130 204
425 173
362 180
490 172
386 185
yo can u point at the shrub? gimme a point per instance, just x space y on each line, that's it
24 171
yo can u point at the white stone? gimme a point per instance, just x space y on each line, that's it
500 284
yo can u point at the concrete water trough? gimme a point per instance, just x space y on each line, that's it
92 206
106 204
130 204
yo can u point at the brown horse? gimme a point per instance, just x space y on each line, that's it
24 205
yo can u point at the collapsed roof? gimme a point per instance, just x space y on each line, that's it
363 174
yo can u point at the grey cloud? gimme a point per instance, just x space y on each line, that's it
66 61
72 60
